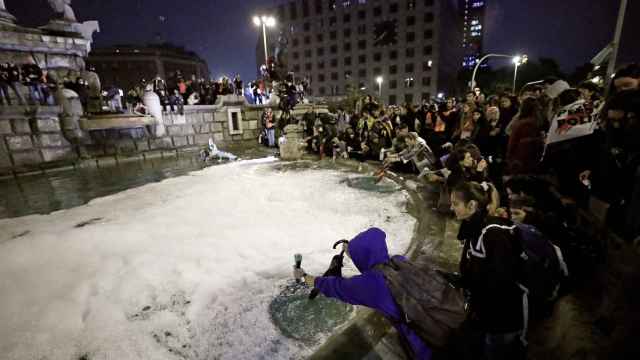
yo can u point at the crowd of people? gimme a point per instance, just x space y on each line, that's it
534 158
39 83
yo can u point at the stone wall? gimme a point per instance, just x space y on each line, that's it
31 138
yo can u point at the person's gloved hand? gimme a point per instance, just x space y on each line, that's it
298 273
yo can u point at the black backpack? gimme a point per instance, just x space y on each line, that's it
429 304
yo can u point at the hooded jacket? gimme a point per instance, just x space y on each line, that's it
366 250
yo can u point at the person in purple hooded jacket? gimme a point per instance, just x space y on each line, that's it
367 250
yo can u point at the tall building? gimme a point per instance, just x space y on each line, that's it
125 66
412 45
473 12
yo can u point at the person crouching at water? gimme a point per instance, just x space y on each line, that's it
489 267
367 250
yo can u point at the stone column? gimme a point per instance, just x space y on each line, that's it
152 103
5 17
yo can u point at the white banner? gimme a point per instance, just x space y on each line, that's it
573 121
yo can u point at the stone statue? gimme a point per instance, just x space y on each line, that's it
63 10
2 7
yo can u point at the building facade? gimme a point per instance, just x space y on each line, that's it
125 66
413 46
473 15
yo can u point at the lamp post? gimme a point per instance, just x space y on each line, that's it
518 60
616 45
379 80
264 21
522 60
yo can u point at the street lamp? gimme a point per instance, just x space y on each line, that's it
264 21
522 60
379 80
518 60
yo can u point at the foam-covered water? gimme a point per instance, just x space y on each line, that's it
181 269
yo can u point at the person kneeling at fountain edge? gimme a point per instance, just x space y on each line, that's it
212 152
367 250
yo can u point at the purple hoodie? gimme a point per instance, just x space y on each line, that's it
366 250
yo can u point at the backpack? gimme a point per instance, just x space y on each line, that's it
544 267
428 303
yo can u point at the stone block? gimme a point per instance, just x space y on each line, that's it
216 127
191 140
57 154
16 143
142 145
5 127
252 125
201 128
21 126
236 137
218 137
175 130
48 125
47 140
248 135
208 117
29 157
194 118
5 160
220 116
126 146
202 139
179 119
161 143
180 141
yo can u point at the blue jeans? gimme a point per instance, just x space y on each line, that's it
271 137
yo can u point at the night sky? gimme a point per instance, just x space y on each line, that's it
221 31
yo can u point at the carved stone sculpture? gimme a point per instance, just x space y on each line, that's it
63 10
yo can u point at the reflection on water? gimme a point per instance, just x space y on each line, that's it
42 194
302 319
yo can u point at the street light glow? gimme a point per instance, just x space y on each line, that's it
440 95
271 21
256 21
379 80
517 59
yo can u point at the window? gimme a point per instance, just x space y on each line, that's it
393 69
362 73
428 34
377 57
333 35
346 32
411 20
408 98
427 50
393 84
426 96
305 8
428 17
362 29
347 61
393 54
377 11
321 65
333 49
408 68
377 71
409 82
334 76
426 66
235 121
392 100
321 90
362 59
410 52
411 4
307 40
306 26
428 2
307 53
293 11
332 21
362 44
362 15
332 5
321 78
296 68
320 51
295 55
307 67
295 42
282 12
347 46
319 37
346 18
347 75
411 37
333 63
426 81
319 6
393 8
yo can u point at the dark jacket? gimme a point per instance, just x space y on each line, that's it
366 250
490 268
